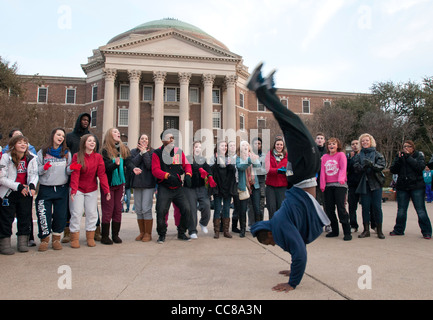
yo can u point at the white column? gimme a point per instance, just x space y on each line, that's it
230 105
134 108
158 108
206 114
108 116
184 129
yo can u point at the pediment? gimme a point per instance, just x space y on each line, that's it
169 43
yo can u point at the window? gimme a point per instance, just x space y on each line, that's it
261 124
327 104
306 106
123 117
94 115
70 96
95 93
260 106
124 92
285 102
241 100
242 123
194 95
147 93
42 95
171 94
216 96
216 120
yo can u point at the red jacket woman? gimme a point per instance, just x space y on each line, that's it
276 180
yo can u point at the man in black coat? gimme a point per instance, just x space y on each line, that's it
81 128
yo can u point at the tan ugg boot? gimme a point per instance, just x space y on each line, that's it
98 233
90 237
56 242
141 227
44 244
66 235
75 240
148 225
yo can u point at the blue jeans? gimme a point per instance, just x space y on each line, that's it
417 197
127 198
372 206
221 211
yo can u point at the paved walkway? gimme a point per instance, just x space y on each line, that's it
209 269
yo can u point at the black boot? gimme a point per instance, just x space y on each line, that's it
366 232
235 228
243 224
105 232
346 232
115 228
380 234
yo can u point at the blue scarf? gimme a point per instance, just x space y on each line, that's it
118 175
57 153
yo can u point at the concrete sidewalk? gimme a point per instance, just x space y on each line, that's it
235 269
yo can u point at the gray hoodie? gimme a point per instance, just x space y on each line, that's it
59 172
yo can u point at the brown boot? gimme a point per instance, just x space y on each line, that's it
66 235
90 237
148 226
56 242
98 233
44 244
226 224
216 228
75 240
141 227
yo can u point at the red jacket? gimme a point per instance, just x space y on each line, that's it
85 180
273 178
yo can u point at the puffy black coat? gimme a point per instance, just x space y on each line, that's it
369 164
410 171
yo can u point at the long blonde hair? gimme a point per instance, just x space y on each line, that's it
110 146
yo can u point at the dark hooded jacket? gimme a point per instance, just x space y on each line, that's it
73 138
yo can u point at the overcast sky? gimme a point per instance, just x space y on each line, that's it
331 45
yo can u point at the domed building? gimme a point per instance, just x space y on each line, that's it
170 74
167 74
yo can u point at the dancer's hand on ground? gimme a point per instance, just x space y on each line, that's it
283 287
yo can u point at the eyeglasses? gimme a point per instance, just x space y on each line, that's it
406 147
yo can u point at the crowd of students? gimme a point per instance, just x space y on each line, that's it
71 168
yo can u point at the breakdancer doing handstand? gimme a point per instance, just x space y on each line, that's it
300 219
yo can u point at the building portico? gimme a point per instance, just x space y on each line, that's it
171 70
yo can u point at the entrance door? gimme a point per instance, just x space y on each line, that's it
171 123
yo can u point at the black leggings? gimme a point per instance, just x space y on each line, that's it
302 153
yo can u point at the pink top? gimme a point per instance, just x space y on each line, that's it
333 170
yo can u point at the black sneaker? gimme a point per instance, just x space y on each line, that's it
161 239
331 235
347 237
183 237
255 80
